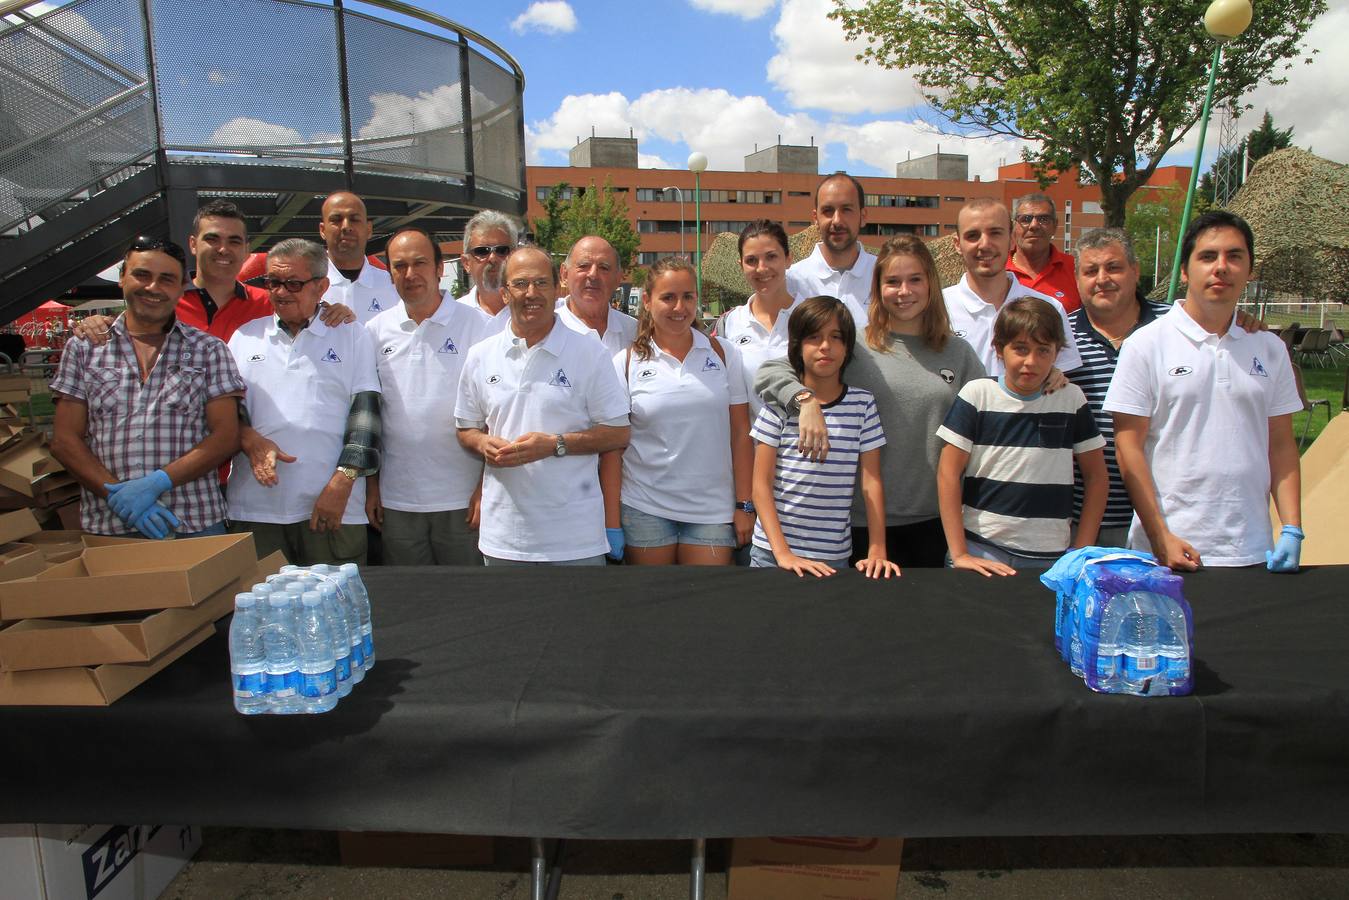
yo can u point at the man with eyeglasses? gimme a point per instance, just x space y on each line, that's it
538 402
144 418
353 280
591 273
425 500
489 238
983 235
311 419
1034 260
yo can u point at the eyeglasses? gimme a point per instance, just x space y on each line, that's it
1042 218
292 285
520 285
502 250
144 244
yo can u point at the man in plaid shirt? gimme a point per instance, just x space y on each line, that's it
144 419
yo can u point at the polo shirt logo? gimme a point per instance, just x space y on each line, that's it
961 334
947 376
1058 293
449 347
257 357
374 306
742 340
1257 368
389 349
1179 371
331 356
559 379
646 373
710 364
493 379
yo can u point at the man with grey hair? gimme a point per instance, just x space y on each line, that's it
591 273
311 419
1112 309
1034 260
489 238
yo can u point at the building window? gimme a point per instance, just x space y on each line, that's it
954 199
798 224
889 229
647 257
798 193
658 226
541 192
901 201
1067 226
659 195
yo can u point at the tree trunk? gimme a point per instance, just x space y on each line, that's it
1114 201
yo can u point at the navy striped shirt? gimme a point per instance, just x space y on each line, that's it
1099 359
814 498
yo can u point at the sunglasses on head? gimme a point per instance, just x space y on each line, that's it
144 244
483 252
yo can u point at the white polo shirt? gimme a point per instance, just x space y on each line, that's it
550 510
1209 400
369 295
813 277
496 322
423 468
619 331
299 395
756 344
972 318
678 461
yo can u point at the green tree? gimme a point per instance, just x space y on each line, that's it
1263 141
1110 84
603 212
1266 139
1149 210
548 230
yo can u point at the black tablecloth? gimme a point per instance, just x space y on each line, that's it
664 703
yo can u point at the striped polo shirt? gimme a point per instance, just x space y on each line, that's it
1018 487
814 498
1099 359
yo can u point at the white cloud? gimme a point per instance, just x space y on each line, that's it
245 131
745 9
884 143
651 161
548 16
817 68
575 116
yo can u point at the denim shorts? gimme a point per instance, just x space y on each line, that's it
759 558
645 530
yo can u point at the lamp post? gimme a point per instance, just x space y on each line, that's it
1224 20
697 164
681 215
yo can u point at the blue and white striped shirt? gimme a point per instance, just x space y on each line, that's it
814 499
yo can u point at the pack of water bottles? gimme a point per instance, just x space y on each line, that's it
1121 622
301 640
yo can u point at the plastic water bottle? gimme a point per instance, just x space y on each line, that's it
283 655
248 657
1141 650
1174 651
361 597
318 665
336 618
345 600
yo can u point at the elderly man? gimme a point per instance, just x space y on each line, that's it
1035 261
143 419
537 401
591 274
489 238
839 266
311 416
983 234
352 279
426 498
1203 418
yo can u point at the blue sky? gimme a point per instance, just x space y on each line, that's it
720 75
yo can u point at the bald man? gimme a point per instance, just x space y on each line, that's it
352 279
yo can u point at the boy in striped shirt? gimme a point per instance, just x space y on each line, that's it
1005 477
804 504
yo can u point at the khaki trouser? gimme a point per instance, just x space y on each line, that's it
304 547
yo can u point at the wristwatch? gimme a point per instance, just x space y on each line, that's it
802 396
561 448
349 472
745 506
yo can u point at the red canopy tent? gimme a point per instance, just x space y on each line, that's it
45 326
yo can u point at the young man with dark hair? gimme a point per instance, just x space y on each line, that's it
839 266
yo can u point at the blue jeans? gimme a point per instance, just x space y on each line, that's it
209 531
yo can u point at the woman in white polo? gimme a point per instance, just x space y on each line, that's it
687 468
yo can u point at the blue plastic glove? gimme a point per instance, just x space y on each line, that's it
157 522
616 543
1286 553
132 499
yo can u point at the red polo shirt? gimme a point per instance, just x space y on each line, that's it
1057 280
246 304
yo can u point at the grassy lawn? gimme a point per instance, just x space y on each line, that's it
1323 384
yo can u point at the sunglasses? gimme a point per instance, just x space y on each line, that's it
144 244
502 250
292 285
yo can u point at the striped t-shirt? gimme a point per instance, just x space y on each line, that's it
1018 488
1099 359
814 498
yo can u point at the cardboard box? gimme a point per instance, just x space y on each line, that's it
397 849
1325 496
83 862
83 686
20 561
57 545
16 526
815 868
25 463
132 576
